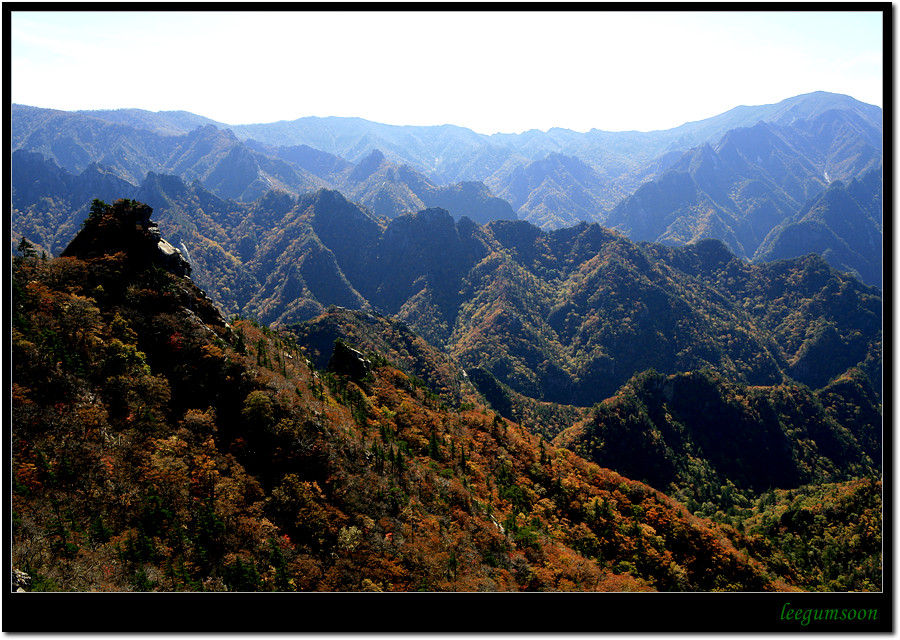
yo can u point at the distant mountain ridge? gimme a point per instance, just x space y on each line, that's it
231 168
353 138
762 164
845 226
429 148
754 180
553 179
563 316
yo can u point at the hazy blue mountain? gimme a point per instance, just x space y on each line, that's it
815 125
736 176
557 191
49 203
750 181
390 190
442 152
245 175
133 143
74 141
844 225
164 122
787 112
425 148
209 154
320 163
435 150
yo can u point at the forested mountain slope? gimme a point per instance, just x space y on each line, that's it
336 360
716 443
565 316
158 447
845 226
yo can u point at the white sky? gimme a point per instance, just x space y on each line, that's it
490 71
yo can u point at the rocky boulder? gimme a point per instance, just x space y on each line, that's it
349 362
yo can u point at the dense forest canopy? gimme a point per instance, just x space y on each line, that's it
176 450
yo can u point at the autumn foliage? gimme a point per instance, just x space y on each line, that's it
158 447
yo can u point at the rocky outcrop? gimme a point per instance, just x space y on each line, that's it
126 227
349 362
168 257
21 581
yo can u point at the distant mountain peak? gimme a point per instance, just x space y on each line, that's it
367 166
376 157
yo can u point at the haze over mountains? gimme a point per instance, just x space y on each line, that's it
737 177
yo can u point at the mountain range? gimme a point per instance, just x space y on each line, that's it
351 356
588 306
736 177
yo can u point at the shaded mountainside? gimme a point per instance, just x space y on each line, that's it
158 447
389 189
844 226
749 182
49 203
131 144
552 178
556 191
558 328
710 440
568 316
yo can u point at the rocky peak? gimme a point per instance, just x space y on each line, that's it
367 166
125 226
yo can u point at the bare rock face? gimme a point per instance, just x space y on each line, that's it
169 257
